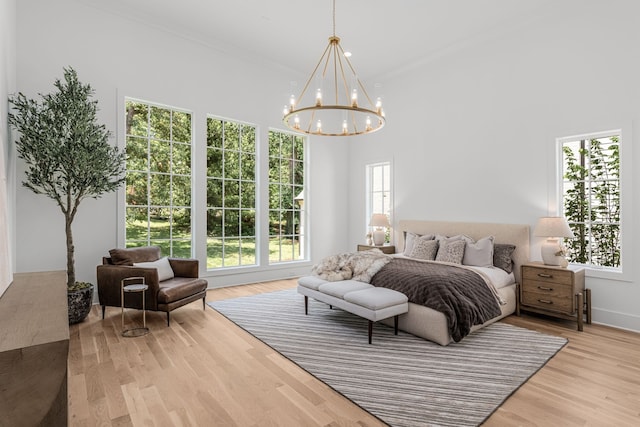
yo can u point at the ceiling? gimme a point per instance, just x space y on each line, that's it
384 36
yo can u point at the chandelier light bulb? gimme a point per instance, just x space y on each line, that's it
354 98
345 127
368 123
285 110
292 103
319 126
296 122
379 105
319 98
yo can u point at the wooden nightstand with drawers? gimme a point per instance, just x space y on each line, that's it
555 291
386 249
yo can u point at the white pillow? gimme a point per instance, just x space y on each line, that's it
165 272
479 253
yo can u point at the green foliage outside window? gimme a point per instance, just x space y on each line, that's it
231 193
591 200
158 180
286 182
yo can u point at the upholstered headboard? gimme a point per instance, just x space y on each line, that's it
515 234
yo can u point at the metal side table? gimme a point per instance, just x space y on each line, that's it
134 285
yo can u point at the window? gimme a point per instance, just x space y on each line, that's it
231 193
286 197
158 178
591 198
379 192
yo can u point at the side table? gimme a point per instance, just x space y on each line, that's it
128 286
386 249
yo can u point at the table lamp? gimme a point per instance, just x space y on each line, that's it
380 221
553 228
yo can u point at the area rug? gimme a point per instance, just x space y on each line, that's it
403 380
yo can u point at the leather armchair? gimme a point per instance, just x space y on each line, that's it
167 295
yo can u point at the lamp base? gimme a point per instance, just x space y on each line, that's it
549 250
379 237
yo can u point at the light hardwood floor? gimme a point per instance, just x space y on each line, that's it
205 371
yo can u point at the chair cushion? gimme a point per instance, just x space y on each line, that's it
178 288
128 256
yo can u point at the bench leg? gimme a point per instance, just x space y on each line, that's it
306 305
370 330
395 324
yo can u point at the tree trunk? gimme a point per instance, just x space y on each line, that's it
71 271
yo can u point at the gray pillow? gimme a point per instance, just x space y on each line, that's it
479 253
451 251
502 256
424 249
410 238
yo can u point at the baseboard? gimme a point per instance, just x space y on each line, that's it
616 319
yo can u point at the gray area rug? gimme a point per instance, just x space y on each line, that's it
403 380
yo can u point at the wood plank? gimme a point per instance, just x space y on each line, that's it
204 370
34 349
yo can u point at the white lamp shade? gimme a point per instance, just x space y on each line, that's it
379 220
552 226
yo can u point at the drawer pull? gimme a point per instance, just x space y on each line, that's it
546 276
545 301
544 288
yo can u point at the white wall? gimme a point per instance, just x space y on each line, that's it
125 58
7 181
472 134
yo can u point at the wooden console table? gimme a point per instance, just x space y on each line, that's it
34 347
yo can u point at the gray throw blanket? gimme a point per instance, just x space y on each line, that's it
461 294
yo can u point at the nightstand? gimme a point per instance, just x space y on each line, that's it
386 249
555 291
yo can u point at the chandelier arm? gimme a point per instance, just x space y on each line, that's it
306 86
364 91
344 79
313 114
355 122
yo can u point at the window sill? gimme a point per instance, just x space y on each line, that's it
607 273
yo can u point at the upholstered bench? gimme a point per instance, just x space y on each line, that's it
359 298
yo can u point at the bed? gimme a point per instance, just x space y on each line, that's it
431 324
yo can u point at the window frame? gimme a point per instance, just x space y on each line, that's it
239 180
303 224
122 235
624 271
370 209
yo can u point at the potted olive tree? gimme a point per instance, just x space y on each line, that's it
68 158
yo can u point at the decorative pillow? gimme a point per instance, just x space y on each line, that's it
424 249
165 272
130 255
502 256
451 251
410 238
479 253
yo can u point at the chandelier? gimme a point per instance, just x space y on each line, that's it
340 105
